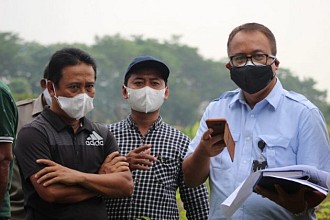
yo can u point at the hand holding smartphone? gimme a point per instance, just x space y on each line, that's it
220 126
217 125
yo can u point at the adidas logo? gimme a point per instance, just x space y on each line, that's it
94 139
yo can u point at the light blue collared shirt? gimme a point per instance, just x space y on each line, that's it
294 131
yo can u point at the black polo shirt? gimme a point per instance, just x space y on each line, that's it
49 137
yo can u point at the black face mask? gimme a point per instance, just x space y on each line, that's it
252 79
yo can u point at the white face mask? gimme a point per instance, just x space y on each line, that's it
47 97
145 99
77 106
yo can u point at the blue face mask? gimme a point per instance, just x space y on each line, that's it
250 78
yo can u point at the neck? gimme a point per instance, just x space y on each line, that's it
144 120
75 124
253 99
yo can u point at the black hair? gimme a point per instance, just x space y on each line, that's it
46 70
67 57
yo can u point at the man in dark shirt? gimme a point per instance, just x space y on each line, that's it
8 126
61 151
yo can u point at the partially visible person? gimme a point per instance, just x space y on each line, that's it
8 126
28 109
60 152
271 127
154 150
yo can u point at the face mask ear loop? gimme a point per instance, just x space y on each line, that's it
58 102
54 90
274 74
126 90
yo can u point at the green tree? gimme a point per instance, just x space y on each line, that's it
9 50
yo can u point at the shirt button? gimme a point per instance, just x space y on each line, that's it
252 116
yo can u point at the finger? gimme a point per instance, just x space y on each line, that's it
44 171
207 134
120 164
142 148
51 181
218 140
111 156
138 167
122 169
46 177
116 160
120 159
218 148
146 156
142 162
148 151
46 162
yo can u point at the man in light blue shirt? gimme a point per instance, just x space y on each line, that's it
290 129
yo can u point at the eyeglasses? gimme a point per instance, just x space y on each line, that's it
257 59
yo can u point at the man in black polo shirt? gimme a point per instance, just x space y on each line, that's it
61 151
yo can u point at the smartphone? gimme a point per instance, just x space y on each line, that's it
217 125
220 126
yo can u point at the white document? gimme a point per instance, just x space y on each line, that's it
244 190
235 200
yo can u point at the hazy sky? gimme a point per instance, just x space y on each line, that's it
301 27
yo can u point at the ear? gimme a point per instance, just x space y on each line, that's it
43 83
277 64
124 92
228 66
167 93
50 86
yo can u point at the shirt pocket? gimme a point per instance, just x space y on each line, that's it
222 170
166 171
276 149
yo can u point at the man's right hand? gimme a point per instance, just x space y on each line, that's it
211 146
140 158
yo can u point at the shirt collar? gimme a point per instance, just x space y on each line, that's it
155 125
37 106
59 124
237 98
273 97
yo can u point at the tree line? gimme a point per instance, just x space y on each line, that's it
194 80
